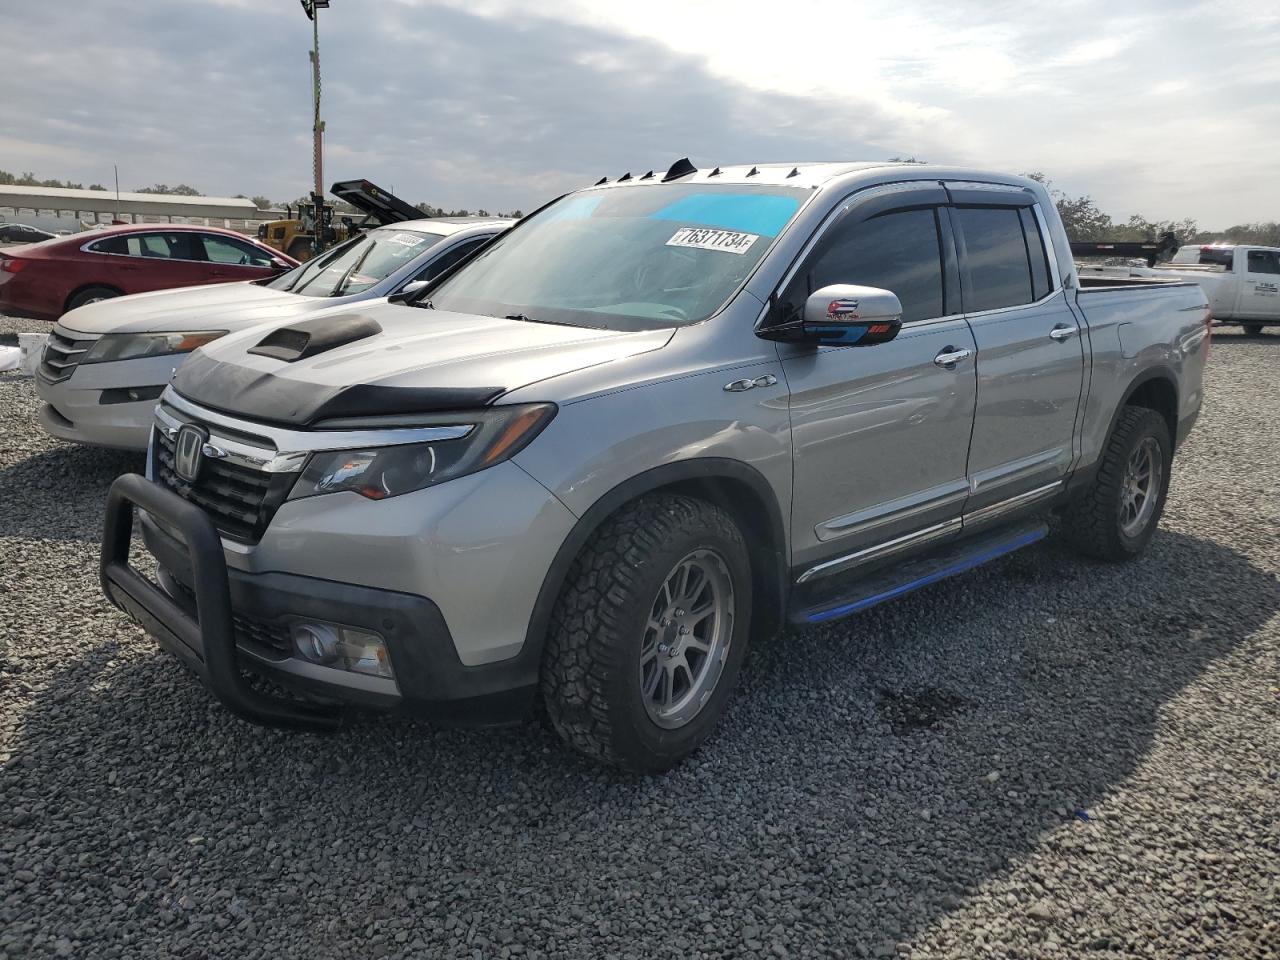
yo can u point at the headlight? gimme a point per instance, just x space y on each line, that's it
494 435
131 346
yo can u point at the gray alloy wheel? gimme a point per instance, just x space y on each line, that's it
686 640
1143 481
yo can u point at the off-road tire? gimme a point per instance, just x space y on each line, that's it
1091 522
91 294
589 682
300 249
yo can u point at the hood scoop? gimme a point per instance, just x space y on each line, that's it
299 341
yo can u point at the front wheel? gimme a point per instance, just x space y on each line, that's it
649 633
1252 329
1116 517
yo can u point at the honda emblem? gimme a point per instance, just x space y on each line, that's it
188 452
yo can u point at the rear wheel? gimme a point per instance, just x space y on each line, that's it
91 295
648 636
1252 329
1115 518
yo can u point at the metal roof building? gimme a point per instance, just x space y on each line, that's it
132 206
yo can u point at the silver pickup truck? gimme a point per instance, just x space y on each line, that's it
656 420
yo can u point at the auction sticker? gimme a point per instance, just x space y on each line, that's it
407 239
702 238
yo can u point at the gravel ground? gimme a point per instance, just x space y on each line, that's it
1043 758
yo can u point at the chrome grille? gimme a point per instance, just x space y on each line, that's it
240 500
61 355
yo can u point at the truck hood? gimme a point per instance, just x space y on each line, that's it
420 361
218 306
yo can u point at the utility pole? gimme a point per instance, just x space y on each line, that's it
317 125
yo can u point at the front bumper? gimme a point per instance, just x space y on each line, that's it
85 407
214 620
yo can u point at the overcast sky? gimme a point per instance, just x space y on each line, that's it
1169 108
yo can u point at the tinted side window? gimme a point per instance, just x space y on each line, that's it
1037 254
995 259
896 251
444 262
227 250
110 245
156 246
1264 261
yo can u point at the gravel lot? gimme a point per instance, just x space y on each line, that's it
1044 758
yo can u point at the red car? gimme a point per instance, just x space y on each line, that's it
45 280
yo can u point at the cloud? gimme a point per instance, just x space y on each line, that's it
1169 108
438 104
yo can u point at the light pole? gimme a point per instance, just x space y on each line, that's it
317 125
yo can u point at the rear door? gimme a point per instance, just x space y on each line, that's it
143 261
1030 363
1260 295
880 433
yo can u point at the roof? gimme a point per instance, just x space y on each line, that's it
104 201
107 230
814 174
796 174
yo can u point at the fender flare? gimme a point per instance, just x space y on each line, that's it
1158 372
1083 475
771 556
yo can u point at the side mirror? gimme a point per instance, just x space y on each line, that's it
408 291
843 314
281 265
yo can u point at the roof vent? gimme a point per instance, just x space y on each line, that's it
601 182
714 173
795 172
648 176
681 168
625 177
753 171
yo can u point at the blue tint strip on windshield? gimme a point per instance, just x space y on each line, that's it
749 212
575 208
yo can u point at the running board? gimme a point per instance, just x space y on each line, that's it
842 598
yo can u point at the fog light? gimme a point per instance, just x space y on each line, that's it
343 648
317 642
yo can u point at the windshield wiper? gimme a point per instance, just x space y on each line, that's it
525 318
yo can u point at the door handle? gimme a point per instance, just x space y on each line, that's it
1062 332
950 356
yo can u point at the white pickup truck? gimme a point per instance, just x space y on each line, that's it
1241 282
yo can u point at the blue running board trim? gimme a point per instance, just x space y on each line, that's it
960 566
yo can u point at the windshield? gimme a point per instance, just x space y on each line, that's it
356 265
629 258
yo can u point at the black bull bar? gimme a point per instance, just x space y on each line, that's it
207 642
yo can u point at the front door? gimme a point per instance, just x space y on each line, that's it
1030 354
880 433
1260 295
